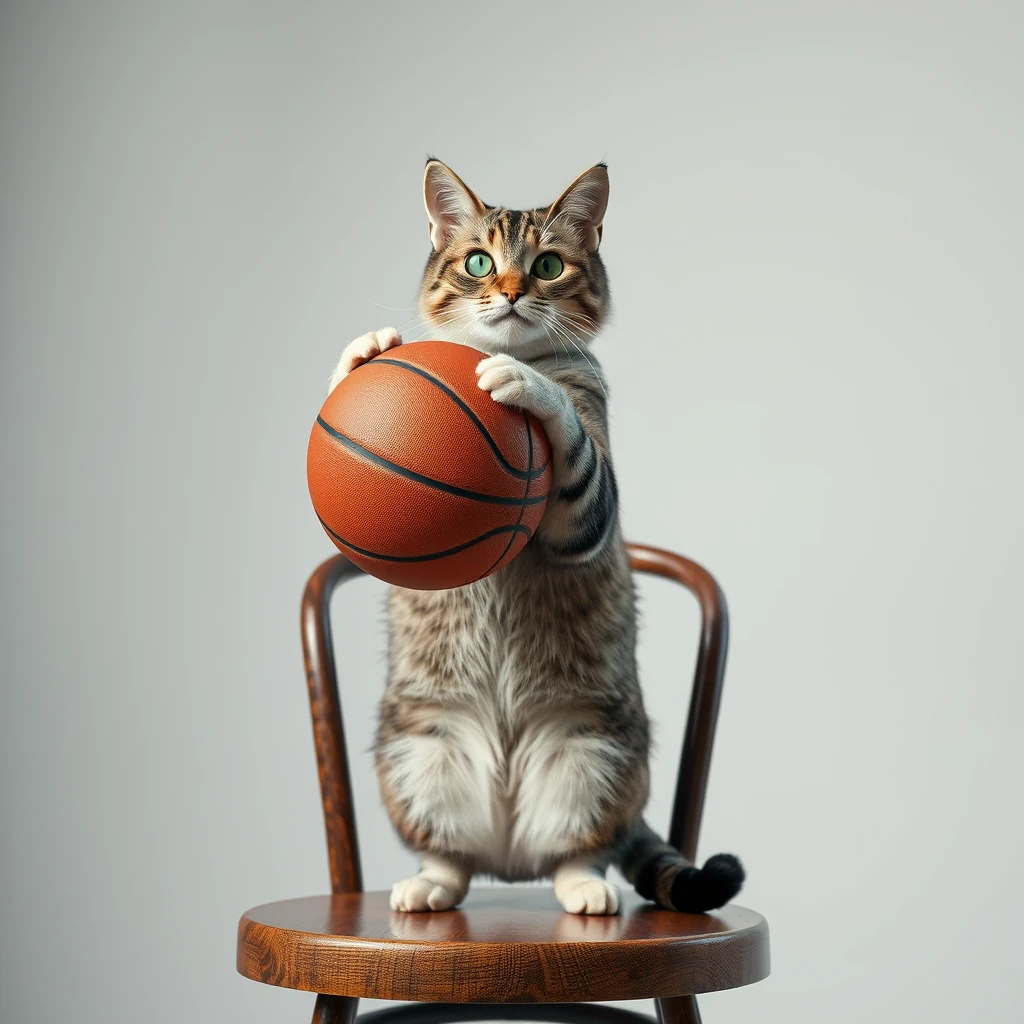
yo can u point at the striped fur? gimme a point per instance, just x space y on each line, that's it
512 738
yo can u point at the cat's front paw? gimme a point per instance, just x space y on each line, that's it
424 893
589 896
362 350
515 384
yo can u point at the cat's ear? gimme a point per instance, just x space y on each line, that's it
449 202
581 206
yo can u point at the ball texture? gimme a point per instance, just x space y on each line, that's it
419 476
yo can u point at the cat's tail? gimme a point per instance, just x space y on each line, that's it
660 873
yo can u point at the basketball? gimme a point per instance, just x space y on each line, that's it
419 476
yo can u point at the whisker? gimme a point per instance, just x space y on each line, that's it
559 333
572 315
455 324
564 328
441 323
394 309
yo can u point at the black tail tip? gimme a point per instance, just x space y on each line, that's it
696 890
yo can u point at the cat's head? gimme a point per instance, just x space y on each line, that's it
526 282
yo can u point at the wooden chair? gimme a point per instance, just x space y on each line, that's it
508 946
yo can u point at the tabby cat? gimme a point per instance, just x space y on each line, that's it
513 739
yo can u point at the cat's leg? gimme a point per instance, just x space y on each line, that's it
363 349
442 883
436 768
577 785
581 887
582 509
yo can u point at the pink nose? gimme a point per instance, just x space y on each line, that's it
512 294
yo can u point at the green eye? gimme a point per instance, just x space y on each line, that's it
479 264
547 266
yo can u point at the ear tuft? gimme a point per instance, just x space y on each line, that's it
582 206
449 201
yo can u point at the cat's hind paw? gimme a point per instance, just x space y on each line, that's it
362 350
423 893
589 896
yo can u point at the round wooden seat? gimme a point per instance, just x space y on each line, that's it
503 945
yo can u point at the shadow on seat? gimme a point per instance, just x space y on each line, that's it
505 946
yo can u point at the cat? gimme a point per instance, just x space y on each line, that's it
512 737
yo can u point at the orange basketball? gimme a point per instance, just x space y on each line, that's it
421 478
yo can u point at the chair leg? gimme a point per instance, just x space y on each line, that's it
335 1010
678 1010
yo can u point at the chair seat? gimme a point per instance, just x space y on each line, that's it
503 945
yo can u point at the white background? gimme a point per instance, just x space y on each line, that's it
815 246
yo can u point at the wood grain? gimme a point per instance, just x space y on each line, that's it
504 945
